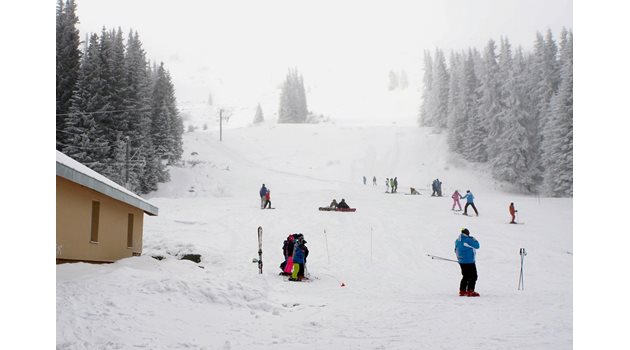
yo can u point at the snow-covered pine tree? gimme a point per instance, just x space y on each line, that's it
117 163
161 134
87 143
301 99
137 104
176 123
543 86
523 72
293 106
558 134
476 132
117 88
456 122
511 162
259 118
137 108
424 118
286 110
469 134
551 59
490 105
439 92
68 63
153 170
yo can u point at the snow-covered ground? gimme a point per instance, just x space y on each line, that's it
373 287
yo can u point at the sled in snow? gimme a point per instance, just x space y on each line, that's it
337 209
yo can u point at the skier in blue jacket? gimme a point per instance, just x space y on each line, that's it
465 249
470 200
299 258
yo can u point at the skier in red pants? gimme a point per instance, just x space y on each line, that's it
513 213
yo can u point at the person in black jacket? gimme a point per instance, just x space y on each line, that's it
343 204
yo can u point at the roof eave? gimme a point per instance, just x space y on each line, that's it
98 186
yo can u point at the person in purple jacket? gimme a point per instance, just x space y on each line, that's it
456 197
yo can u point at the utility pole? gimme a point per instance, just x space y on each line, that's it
127 151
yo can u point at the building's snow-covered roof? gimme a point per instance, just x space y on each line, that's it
74 171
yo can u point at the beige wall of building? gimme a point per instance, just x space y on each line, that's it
75 225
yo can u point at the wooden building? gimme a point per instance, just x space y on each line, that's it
97 219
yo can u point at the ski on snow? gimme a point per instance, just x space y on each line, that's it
260 263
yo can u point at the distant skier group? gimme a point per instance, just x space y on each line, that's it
295 254
391 183
437 188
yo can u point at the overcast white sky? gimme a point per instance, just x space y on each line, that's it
244 48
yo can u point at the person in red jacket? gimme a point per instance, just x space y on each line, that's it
268 199
513 213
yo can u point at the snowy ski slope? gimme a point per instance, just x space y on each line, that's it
395 296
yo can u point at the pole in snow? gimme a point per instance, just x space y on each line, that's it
521 284
371 242
327 253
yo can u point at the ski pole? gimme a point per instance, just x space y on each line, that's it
521 283
441 258
327 253
371 242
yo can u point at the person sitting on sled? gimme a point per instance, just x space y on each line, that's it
343 204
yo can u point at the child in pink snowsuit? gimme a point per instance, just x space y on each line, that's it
456 198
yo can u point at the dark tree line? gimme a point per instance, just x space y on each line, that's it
116 112
510 109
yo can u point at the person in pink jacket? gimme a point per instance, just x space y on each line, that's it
456 196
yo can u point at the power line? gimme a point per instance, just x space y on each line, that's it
82 147
114 111
129 110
